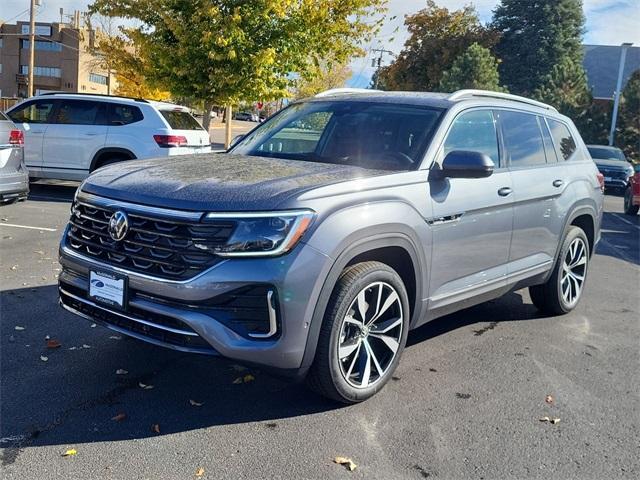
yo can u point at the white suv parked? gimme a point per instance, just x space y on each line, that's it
67 136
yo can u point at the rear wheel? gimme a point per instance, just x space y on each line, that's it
363 333
110 161
629 207
564 288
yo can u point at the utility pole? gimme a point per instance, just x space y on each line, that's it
32 46
377 62
616 99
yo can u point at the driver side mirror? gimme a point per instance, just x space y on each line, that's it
466 164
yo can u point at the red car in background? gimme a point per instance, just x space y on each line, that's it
632 193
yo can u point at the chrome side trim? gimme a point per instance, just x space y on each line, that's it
273 325
133 319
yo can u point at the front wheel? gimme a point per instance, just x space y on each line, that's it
363 333
629 207
563 290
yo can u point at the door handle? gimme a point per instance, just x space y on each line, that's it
558 183
504 191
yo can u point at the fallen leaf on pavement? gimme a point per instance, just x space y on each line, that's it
53 343
39 252
237 381
119 417
70 453
200 472
554 420
244 379
15 267
144 386
196 404
238 368
155 428
19 328
43 358
115 337
548 399
93 325
121 371
84 345
347 462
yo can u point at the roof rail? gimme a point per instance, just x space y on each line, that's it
338 91
95 95
462 94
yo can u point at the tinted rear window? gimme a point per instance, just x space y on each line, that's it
522 138
607 153
562 138
180 120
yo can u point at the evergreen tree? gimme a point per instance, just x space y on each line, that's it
475 68
566 88
536 35
628 132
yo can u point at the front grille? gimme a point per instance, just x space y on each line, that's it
156 246
614 173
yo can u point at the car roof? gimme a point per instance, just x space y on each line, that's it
111 98
436 99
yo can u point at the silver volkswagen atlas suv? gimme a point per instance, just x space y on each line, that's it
320 239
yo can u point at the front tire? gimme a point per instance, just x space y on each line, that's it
563 290
629 207
363 334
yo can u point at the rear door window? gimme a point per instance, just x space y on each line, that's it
37 111
564 142
121 114
474 131
522 137
78 112
180 120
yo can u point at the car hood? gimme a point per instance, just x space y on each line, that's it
216 182
612 164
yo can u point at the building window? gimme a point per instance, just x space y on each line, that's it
44 30
95 78
41 71
42 45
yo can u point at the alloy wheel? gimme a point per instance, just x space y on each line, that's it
574 270
370 335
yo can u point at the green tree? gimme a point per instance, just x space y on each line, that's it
437 36
566 88
628 131
535 36
475 68
225 51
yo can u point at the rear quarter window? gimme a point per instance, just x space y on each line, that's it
121 114
180 120
564 142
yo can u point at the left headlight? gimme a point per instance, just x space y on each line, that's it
262 234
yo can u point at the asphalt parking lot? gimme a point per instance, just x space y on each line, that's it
465 402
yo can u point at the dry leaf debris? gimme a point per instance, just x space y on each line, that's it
347 462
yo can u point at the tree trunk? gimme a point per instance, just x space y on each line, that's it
227 127
206 116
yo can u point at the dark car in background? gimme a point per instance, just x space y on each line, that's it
613 165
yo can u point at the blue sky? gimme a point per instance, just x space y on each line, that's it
609 22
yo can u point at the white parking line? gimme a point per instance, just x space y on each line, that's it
46 229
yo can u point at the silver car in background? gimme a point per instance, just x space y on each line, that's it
14 176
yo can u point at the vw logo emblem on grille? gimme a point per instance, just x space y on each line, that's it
118 225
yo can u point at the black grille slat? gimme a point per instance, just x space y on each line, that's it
154 245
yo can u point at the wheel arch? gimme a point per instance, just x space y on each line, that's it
380 247
105 152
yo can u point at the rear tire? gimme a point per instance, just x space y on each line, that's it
563 290
363 334
110 161
629 207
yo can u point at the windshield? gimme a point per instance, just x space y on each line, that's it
607 153
370 135
179 120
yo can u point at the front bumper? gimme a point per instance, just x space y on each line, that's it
159 311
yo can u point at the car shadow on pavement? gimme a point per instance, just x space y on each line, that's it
620 237
52 191
99 385
511 307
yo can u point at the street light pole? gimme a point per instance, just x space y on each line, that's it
32 47
616 99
